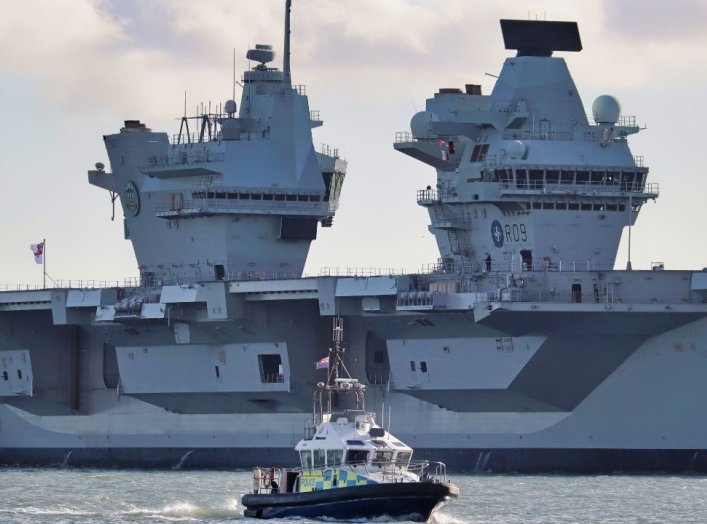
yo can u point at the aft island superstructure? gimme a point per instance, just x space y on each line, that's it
523 348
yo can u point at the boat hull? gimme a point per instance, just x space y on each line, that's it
405 501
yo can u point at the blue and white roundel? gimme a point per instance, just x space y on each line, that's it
497 233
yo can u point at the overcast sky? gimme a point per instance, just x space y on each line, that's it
72 71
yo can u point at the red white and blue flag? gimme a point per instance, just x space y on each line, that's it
322 364
38 252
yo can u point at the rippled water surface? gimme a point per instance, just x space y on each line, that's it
85 495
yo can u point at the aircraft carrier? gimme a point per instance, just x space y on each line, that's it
524 348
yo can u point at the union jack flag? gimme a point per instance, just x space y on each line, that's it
322 364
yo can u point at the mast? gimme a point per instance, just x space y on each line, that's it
286 57
339 379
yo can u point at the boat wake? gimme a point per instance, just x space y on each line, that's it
176 512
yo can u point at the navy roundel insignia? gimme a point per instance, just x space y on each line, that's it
497 233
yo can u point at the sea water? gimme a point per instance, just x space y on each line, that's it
67 495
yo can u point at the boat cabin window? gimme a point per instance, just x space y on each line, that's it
403 458
319 458
356 456
334 456
383 457
306 457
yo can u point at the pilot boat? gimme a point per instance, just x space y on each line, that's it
351 468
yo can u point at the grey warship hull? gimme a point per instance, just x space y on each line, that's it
516 385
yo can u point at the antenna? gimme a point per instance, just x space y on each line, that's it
234 74
286 58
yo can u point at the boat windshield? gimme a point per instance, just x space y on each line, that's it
306 457
319 458
403 459
383 457
356 456
334 456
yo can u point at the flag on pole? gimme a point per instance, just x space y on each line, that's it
322 364
38 252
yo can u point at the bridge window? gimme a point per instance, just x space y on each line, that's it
334 456
582 177
402 459
521 178
572 206
553 176
586 207
566 177
598 177
319 458
537 205
561 205
306 458
356 456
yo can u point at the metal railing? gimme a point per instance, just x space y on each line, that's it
360 271
213 205
184 156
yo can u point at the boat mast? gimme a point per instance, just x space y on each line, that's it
338 377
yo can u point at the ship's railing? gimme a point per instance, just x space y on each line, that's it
327 150
402 137
211 205
184 156
360 271
651 188
536 134
67 284
269 480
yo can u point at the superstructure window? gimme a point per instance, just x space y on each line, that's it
412 365
423 366
478 154
334 456
383 457
402 459
306 458
319 458
356 456
4 375
270 368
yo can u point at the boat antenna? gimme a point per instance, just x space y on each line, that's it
286 57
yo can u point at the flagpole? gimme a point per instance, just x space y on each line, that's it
44 262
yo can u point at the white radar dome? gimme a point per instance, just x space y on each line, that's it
516 149
230 107
606 110
420 124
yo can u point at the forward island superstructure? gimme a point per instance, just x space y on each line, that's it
523 348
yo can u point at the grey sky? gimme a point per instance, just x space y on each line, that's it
73 71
